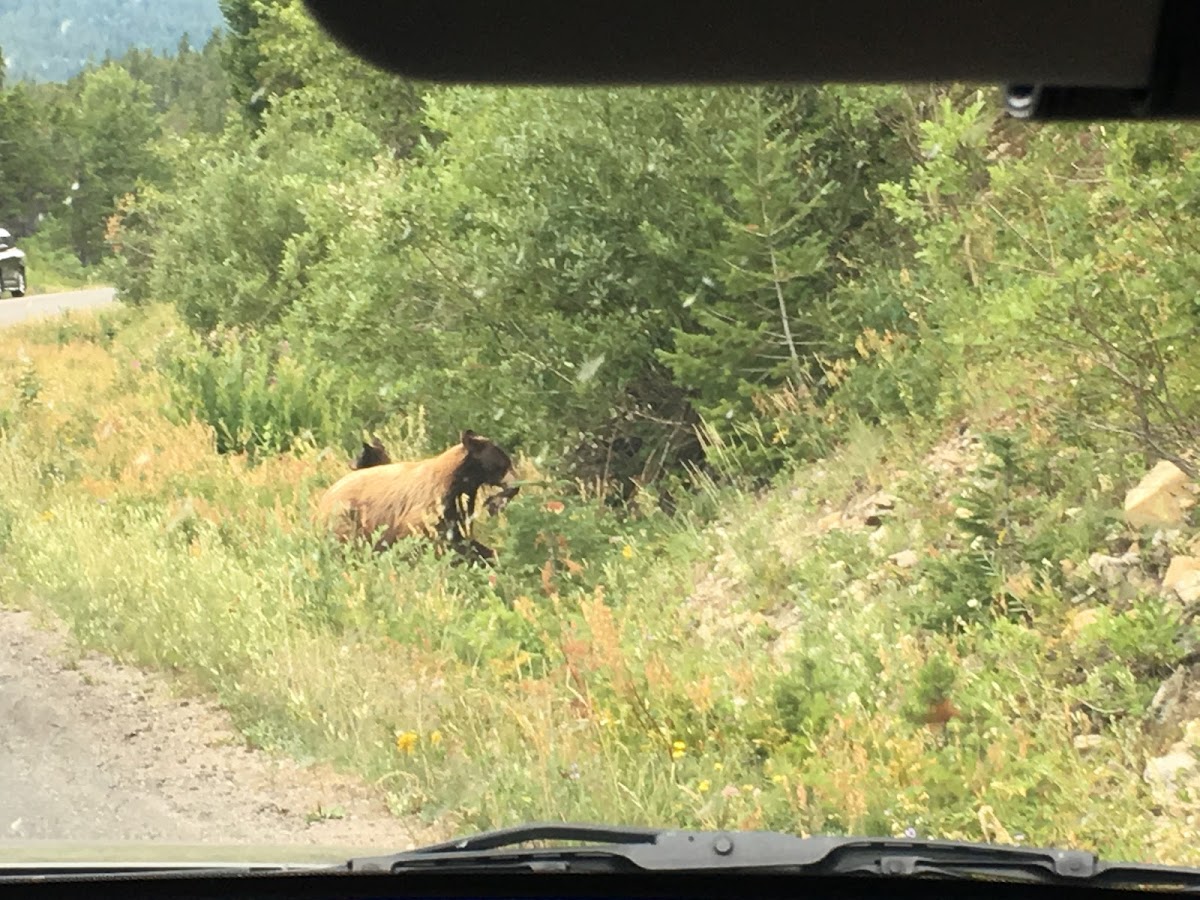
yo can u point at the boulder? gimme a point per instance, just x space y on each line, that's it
1176 707
905 559
1162 498
1183 578
1113 569
1172 777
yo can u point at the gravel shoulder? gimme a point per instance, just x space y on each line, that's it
91 750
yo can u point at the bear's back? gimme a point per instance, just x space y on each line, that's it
401 497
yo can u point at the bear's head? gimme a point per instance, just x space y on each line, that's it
372 454
486 462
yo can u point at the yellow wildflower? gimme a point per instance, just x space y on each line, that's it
405 741
435 737
627 552
703 786
678 749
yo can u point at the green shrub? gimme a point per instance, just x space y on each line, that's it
260 397
902 381
1125 656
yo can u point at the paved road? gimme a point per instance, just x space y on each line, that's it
13 310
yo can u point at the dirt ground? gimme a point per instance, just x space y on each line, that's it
91 750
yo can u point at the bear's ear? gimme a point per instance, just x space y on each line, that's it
473 441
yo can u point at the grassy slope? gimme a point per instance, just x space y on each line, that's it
772 669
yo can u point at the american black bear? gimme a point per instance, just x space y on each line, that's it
434 497
372 454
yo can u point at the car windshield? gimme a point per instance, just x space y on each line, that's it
382 461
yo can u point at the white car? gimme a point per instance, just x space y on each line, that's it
12 266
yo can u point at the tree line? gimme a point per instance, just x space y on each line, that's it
632 284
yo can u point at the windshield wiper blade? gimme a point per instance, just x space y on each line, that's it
494 849
542 831
620 849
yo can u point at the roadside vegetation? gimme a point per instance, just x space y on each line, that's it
832 413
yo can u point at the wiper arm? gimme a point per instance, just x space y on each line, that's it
620 849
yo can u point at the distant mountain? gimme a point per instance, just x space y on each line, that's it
51 40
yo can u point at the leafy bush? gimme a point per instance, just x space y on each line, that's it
895 377
1124 656
808 695
961 588
261 397
49 266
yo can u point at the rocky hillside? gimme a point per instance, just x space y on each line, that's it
1161 502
